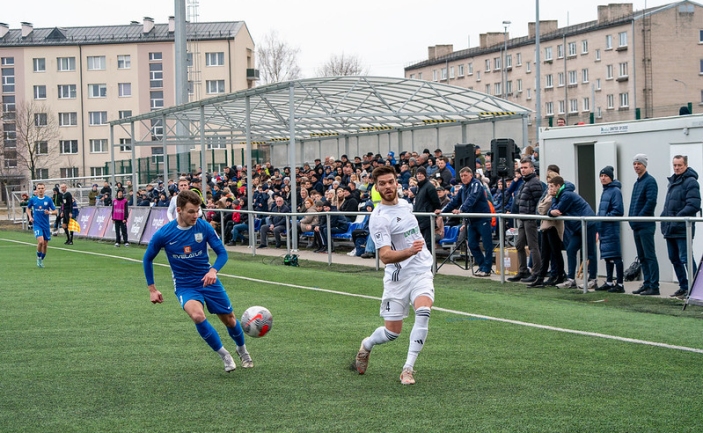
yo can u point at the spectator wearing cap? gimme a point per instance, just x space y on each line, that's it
443 195
105 189
277 224
196 187
438 153
642 203
93 195
391 157
427 201
611 205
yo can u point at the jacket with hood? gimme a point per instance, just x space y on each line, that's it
683 198
609 231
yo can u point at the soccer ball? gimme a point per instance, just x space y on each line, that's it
257 321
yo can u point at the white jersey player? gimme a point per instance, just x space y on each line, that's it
408 278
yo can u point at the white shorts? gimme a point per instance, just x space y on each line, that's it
395 304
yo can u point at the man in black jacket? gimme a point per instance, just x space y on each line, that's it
426 200
338 224
278 223
528 229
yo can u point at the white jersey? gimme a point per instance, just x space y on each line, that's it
396 226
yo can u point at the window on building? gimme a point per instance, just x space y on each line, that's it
622 39
584 75
216 142
478 75
560 51
124 61
218 86
451 72
608 42
40 92
97 171
584 46
599 112
123 114
66 63
10 157
549 108
155 57
547 54
470 67
488 89
156 75
157 154
623 69
497 63
560 79
598 84
508 87
488 65
124 90
624 100
518 59
125 144
528 67
509 61
68 147
41 119
41 147
9 134
435 76
42 173
460 70
68 119
572 49
529 93
8 80
700 36
609 72
573 105
7 61
573 78
97 118
157 99
562 106
443 71
39 64
67 91
215 59
586 104
610 99
69 172
548 81
97 90
519 85
598 55
96 63
157 130
419 75
412 77
98 145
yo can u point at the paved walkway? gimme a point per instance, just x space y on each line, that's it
665 289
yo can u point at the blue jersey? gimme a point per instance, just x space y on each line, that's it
187 253
38 206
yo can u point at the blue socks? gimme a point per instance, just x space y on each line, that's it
236 333
209 334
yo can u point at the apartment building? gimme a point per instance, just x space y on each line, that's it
73 81
624 65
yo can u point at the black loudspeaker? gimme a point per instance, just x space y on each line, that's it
464 156
502 156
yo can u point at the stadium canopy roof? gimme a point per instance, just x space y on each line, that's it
337 106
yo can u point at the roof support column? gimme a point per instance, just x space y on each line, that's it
291 164
437 139
203 152
525 137
464 133
112 154
247 165
164 145
133 155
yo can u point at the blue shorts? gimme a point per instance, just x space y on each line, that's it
214 297
44 232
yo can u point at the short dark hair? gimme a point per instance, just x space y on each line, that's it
383 170
557 180
185 197
527 160
553 167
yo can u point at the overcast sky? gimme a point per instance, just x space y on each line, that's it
386 35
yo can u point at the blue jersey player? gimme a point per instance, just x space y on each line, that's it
185 241
39 208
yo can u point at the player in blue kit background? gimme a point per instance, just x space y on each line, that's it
185 241
39 208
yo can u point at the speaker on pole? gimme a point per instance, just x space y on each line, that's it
464 156
502 155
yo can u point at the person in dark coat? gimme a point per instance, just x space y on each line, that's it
527 199
472 198
277 225
609 231
568 203
642 204
338 224
426 200
683 199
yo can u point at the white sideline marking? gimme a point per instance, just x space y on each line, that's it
445 310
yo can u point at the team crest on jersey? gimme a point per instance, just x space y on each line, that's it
187 250
397 219
198 237
378 236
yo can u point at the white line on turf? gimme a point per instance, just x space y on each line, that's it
445 310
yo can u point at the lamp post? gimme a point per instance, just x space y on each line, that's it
505 57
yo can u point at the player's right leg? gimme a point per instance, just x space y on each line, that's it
393 311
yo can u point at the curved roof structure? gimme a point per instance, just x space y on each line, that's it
335 106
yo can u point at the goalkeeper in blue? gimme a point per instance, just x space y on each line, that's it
186 241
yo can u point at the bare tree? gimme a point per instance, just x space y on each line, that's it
37 130
277 60
341 65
